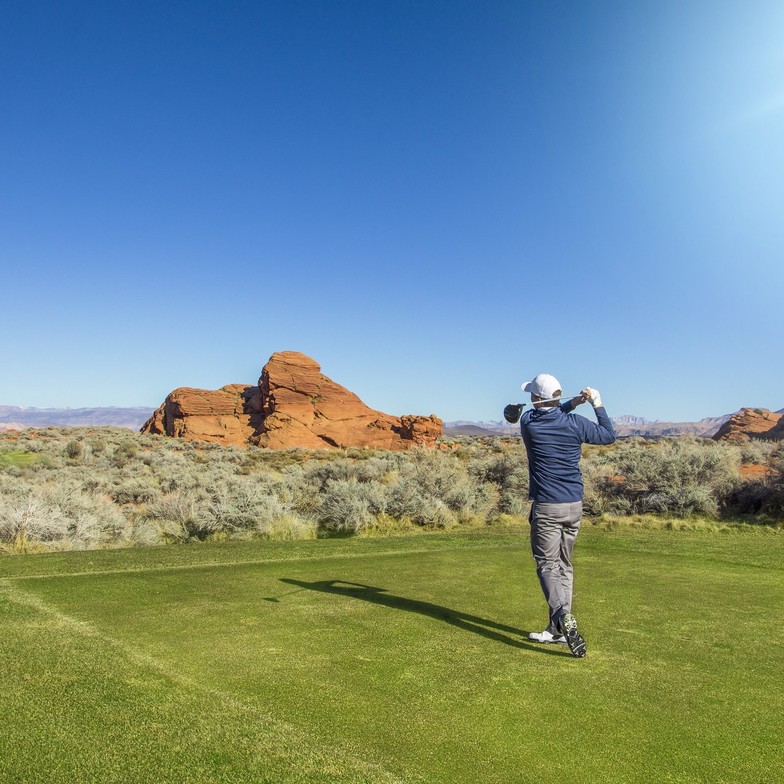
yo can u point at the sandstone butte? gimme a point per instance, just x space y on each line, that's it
293 405
751 423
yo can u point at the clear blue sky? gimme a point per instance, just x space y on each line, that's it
435 200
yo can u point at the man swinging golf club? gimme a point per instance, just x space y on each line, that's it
553 438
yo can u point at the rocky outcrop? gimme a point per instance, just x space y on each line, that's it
751 423
293 405
229 415
776 433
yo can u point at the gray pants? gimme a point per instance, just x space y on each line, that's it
554 527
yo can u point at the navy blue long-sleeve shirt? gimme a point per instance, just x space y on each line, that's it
553 439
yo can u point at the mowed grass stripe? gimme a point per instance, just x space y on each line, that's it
206 565
715 546
169 728
421 661
198 555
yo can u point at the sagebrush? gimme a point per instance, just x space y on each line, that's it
66 488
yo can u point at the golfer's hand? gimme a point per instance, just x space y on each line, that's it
592 396
577 401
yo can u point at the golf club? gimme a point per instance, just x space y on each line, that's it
514 411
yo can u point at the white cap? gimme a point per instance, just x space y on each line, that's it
544 386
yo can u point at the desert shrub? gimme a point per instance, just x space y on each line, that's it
678 476
272 460
750 497
350 505
74 450
137 490
60 516
435 490
312 490
774 504
369 470
125 488
124 453
763 495
508 473
407 501
290 526
92 520
756 452
239 505
183 516
24 519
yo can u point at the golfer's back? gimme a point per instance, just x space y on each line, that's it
553 441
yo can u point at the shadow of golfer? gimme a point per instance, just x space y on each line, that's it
492 630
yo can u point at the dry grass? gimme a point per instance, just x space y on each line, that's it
88 488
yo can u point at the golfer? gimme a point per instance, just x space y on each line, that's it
553 438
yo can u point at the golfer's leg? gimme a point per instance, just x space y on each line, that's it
570 527
546 534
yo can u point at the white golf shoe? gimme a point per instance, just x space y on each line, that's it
545 636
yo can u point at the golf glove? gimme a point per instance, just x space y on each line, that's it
594 398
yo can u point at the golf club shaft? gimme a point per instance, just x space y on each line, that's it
560 397
513 411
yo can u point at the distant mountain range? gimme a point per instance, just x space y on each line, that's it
16 418
625 426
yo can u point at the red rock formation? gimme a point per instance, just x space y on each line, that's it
751 423
226 416
776 433
294 405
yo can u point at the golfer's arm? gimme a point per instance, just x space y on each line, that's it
604 430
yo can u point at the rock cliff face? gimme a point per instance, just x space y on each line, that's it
229 415
752 423
293 405
776 433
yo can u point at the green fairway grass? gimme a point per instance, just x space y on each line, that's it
19 459
394 660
